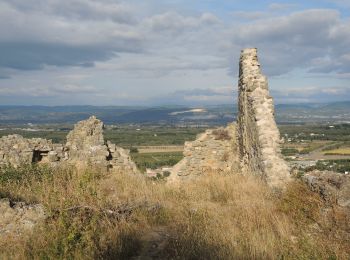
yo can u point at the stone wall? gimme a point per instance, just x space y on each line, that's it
85 146
257 132
16 150
212 151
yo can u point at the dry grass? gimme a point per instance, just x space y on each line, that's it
214 217
221 134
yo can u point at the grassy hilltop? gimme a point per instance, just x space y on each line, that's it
93 215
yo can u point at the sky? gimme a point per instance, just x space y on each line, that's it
170 52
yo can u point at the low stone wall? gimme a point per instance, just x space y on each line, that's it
16 150
257 132
212 151
85 146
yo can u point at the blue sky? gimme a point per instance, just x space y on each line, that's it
155 52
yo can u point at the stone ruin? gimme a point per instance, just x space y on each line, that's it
212 151
16 150
86 143
85 146
253 143
257 133
250 146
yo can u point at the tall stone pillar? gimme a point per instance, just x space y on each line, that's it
257 132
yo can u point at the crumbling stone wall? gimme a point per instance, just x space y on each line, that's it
257 132
210 152
16 150
85 145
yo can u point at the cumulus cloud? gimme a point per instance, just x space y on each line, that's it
39 33
111 39
249 15
77 9
81 32
299 40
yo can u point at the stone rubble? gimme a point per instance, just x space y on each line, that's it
18 218
333 187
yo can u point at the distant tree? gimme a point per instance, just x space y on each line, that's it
134 150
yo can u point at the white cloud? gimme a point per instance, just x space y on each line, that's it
299 40
45 91
98 44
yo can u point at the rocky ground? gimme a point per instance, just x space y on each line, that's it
18 218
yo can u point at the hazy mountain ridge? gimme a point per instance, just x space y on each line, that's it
211 115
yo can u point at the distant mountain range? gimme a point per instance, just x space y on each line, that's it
176 115
338 112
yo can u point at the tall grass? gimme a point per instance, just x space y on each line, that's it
216 216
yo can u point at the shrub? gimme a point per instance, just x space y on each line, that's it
134 150
221 134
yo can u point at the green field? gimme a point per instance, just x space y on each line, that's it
55 136
125 137
155 160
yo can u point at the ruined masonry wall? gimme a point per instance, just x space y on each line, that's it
212 151
257 132
85 146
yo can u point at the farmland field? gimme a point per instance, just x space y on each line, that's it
339 151
157 146
155 160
